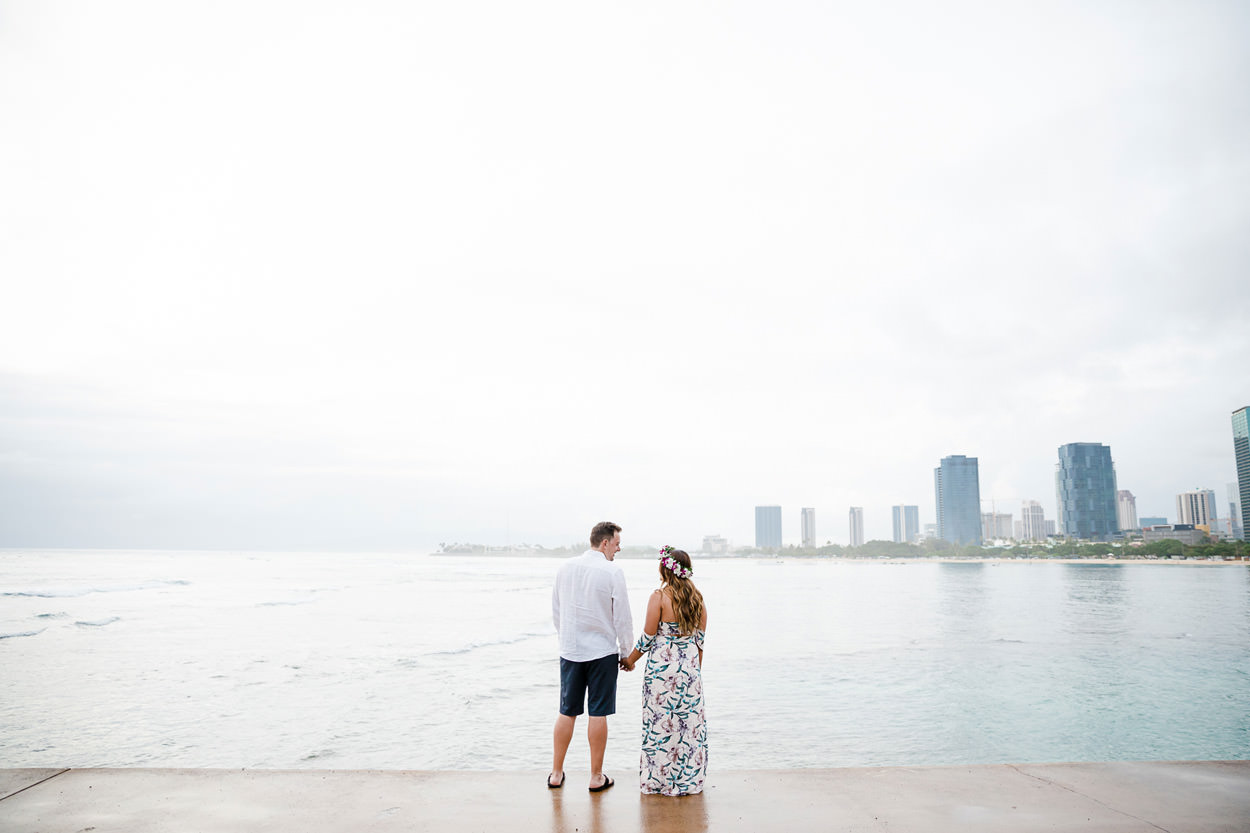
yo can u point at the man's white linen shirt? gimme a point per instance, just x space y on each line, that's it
590 608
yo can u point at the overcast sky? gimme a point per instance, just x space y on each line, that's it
376 275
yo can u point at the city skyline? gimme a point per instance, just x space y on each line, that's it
497 272
1077 461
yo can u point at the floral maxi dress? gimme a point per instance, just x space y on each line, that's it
674 735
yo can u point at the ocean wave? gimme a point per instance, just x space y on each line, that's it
320 753
61 615
292 603
491 643
98 623
76 592
21 634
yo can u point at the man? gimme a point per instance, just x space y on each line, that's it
591 613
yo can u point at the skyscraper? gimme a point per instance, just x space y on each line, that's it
1085 489
768 527
857 526
1032 521
1125 510
1196 507
957 485
808 527
906 524
1234 512
995 525
1241 450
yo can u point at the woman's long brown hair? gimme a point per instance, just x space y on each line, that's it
687 600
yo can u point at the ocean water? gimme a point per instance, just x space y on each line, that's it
313 660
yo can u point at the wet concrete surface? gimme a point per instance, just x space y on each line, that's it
1183 797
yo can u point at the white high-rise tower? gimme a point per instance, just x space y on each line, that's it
1196 507
1126 510
857 526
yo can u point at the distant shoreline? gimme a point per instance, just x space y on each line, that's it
843 559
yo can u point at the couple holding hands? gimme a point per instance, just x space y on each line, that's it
590 609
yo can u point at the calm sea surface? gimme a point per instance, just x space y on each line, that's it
182 659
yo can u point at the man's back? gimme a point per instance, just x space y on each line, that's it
590 608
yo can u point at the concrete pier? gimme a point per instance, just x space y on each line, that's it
1186 797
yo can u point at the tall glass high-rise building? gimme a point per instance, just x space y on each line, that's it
1241 450
768 527
1085 489
957 486
906 523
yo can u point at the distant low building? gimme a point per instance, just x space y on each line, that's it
1152 521
1187 534
713 544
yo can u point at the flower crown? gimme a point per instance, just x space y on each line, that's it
674 566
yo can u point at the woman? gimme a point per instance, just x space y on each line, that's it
674 736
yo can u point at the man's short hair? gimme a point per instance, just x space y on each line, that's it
602 532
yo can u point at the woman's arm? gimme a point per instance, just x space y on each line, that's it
702 627
650 627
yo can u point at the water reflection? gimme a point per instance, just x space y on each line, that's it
1096 599
668 813
962 596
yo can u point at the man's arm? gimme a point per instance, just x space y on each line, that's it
555 604
622 619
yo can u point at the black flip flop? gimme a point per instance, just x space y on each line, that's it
552 786
607 782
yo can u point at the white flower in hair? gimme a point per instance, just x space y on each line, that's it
674 566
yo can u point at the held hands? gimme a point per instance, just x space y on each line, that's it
626 664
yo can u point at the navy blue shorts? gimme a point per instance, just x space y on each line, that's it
596 676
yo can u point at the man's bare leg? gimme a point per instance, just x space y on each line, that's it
561 737
598 736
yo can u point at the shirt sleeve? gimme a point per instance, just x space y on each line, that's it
555 605
622 620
